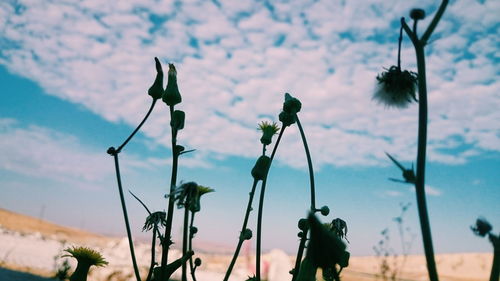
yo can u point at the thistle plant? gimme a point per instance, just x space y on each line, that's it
259 173
186 195
483 228
86 258
397 88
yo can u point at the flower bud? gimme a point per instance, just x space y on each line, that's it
172 96
259 171
417 14
246 234
303 224
291 104
286 118
177 122
194 230
197 261
156 90
324 210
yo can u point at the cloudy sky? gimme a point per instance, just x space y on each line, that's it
74 77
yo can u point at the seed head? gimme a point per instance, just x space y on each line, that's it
396 88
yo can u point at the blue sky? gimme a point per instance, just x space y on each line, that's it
73 81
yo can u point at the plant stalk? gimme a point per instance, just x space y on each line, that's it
171 202
243 228
153 245
258 245
309 164
138 127
125 216
185 241
300 252
190 246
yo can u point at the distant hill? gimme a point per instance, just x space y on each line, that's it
28 225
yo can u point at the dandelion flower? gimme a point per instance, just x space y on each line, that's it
396 88
268 131
86 258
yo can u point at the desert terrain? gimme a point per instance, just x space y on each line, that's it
31 249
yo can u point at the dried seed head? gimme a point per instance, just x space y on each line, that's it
396 88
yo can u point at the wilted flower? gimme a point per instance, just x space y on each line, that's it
325 249
189 194
396 88
339 227
156 90
268 131
172 96
482 227
86 258
156 219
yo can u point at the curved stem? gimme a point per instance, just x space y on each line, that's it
434 22
309 164
171 202
421 155
190 247
243 228
125 215
138 127
258 245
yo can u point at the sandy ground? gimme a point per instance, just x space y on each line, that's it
29 245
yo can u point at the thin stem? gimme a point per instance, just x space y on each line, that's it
309 164
300 252
138 127
434 22
125 215
153 245
243 228
190 246
400 40
171 202
258 245
422 137
185 240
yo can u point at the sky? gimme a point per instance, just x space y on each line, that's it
74 79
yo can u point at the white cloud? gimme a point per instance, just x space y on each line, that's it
100 56
41 153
